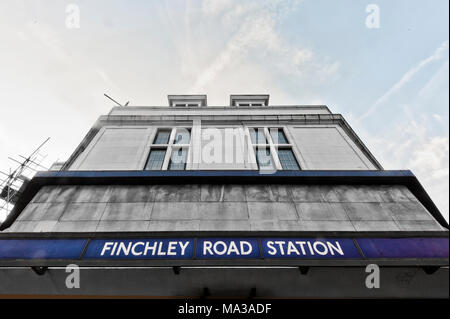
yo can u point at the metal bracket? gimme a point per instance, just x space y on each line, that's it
176 270
429 270
40 271
304 270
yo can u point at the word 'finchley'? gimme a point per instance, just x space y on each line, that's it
141 248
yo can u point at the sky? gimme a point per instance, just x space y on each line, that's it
383 65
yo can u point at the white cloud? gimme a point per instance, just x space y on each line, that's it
437 83
438 54
253 28
438 118
214 7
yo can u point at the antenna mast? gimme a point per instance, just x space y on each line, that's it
115 100
12 183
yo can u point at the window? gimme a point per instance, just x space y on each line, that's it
278 136
287 159
178 159
169 150
251 103
162 137
187 100
155 159
262 148
182 136
263 158
186 104
272 149
258 136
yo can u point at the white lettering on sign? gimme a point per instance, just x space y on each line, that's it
140 248
304 248
220 248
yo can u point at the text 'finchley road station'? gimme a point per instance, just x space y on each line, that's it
228 248
236 248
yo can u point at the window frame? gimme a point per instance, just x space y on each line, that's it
250 103
149 154
273 147
186 104
170 146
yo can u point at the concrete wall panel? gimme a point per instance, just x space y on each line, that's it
327 148
114 149
197 207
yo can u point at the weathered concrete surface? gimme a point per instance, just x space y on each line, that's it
156 208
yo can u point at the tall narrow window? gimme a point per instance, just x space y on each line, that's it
272 149
178 159
262 148
155 159
263 158
287 159
278 136
162 137
258 136
169 150
183 136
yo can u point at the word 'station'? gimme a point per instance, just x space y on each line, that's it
309 248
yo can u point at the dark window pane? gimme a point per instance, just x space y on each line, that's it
178 160
162 137
256 104
278 136
264 159
155 159
257 136
183 136
180 105
287 159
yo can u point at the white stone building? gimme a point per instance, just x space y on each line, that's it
245 199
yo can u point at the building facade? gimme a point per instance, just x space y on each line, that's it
248 199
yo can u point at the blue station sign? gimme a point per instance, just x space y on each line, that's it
224 248
41 248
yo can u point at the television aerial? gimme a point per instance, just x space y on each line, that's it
13 182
